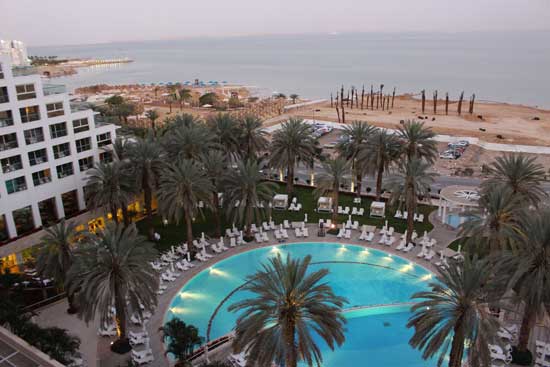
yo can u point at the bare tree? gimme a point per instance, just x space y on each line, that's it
460 103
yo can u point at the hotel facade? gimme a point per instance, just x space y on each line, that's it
47 144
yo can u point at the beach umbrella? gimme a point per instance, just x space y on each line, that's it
202 236
172 266
305 218
281 225
349 218
459 248
189 256
386 225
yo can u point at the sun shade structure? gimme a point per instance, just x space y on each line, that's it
457 198
324 204
378 209
280 201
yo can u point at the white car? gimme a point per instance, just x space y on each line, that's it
447 155
460 143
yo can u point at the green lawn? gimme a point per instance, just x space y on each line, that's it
172 234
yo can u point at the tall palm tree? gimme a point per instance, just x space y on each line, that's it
330 179
153 116
215 165
111 187
252 137
145 160
188 142
496 224
55 256
292 143
244 190
381 150
113 268
530 265
184 95
522 174
294 97
183 119
226 132
182 185
412 180
353 142
417 141
288 306
120 148
456 310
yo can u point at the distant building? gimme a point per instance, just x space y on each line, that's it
16 50
47 143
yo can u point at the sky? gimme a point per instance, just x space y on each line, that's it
66 22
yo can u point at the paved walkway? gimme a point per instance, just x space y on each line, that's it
96 350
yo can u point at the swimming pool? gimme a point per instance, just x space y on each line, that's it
455 220
370 280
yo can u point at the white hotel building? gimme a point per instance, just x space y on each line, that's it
47 144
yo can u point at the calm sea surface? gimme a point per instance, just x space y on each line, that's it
507 67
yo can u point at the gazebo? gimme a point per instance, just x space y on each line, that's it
378 209
280 201
454 200
324 204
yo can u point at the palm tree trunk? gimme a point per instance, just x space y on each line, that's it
114 213
457 347
359 179
120 317
170 103
125 215
290 179
410 223
335 194
70 300
527 323
248 219
216 211
379 176
147 198
189 229
291 359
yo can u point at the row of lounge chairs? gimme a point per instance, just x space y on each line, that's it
417 217
354 211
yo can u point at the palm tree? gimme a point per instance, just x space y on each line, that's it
292 143
145 160
418 141
330 179
530 265
172 96
519 173
381 150
183 119
181 340
244 190
120 148
456 310
289 304
215 165
111 186
252 137
55 256
182 186
188 142
152 115
113 268
226 132
183 95
353 142
412 180
294 97
496 225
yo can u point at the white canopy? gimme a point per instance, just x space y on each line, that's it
378 209
324 204
280 201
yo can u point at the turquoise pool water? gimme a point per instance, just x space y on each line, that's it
376 335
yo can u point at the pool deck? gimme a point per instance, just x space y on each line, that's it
96 350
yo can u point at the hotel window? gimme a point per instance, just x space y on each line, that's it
41 177
58 130
29 114
6 118
65 170
106 157
55 109
61 150
33 136
103 139
81 125
85 163
83 144
11 164
25 91
8 141
16 185
4 98
37 157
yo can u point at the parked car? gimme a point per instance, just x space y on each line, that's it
457 144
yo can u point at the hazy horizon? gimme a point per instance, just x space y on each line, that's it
63 22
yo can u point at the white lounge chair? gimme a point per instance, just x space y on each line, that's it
340 210
265 226
286 225
232 242
228 233
254 228
167 278
216 249
347 235
278 235
409 247
370 236
420 218
389 240
341 233
201 257
181 267
346 210
398 214
363 236
355 225
264 237
354 211
298 232
361 212
430 255
305 232
382 239
258 238
187 263
272 225
143 359
402 244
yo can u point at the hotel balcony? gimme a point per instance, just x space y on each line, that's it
50 89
